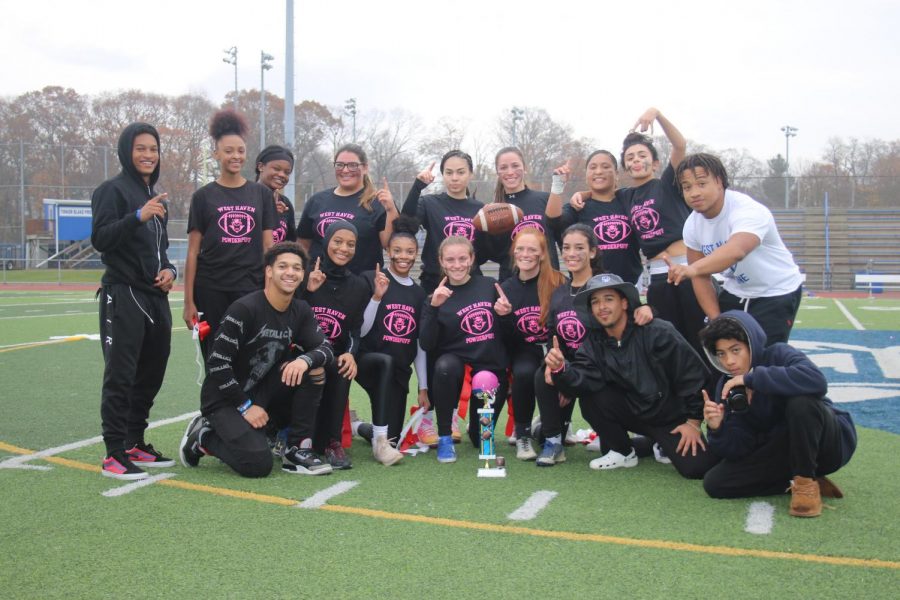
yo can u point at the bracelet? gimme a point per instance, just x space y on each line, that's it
558 185
245 406
137 213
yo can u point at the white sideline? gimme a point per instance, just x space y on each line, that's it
537 502
320 498
128 488
17 462
851 318
760 518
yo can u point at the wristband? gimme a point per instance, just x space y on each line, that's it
245 406
137 213
558 185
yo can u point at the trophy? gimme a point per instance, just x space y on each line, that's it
484 388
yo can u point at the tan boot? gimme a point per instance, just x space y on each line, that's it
828 488
384 452
806 501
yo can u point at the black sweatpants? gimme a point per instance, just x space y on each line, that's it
555 419
135 337
377 374
678 305
447 383
610 416
213 304
330 418
245 449
809 446
775 314
526 361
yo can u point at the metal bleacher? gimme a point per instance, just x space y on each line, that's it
858 241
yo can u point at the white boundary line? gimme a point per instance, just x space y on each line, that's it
851 318
18 461
320 498
128 488
760 518
537 502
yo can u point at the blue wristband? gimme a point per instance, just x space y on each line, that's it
137 213
245 406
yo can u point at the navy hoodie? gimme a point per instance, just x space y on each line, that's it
134 253
777 371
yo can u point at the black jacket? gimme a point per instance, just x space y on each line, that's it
659 371
134 253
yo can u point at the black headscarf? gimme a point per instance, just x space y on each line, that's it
332 270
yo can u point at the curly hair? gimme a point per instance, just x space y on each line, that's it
722 328
633 139
228 122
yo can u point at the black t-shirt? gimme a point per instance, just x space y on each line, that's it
466 325
442 216
397 322
563 320
252 339
524 323
616 238
533 205
285 223
231 221
658 212
325 207
338 306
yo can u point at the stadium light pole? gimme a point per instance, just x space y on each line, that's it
264 65
789 132
231 59
350 109
289 88
517 115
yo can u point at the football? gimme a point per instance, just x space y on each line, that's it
498 217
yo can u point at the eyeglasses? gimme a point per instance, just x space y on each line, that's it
352 167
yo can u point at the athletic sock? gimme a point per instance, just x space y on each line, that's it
379 431
556 439
354 427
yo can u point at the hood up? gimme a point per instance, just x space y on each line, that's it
126 147
755 336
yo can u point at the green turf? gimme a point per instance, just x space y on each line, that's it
52 276
61 538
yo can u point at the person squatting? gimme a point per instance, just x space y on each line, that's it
297 311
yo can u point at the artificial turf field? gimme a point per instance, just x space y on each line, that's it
419 529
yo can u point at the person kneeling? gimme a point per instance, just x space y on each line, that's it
641 378
253 374
771 421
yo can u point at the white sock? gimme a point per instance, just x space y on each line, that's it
354 427
556 439
379 431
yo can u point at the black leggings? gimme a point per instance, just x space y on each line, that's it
377 374
449 371
525 363
245 449
213 304
809 446
678 305
330 418
555 419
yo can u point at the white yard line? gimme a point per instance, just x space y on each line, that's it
18 461
128 488
760 518
320 498
851 318
537 502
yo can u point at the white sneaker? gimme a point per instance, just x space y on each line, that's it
660 456
511 440
524 449
384 452
593 445
614 460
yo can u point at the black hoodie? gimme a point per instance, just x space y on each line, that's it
134 253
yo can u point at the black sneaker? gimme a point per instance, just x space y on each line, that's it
145 455
303 461
337 457
118 466
190 451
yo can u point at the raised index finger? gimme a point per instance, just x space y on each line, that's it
384 183
500 292
377 269
318 262
443 282
555 343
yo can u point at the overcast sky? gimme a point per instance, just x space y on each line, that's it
729 74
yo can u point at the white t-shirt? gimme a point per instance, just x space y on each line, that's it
769 270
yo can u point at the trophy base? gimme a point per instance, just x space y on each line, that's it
492 472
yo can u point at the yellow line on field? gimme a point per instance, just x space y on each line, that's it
842 561
27 345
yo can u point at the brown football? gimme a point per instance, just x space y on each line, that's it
498 217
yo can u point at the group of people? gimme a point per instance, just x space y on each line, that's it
297 311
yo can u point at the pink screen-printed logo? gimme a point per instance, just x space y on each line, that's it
399 323
477 322
330 326
460 228
236 223
645 219
570 329
613 231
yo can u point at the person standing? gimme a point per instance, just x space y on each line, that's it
230 226
274 165
129 230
